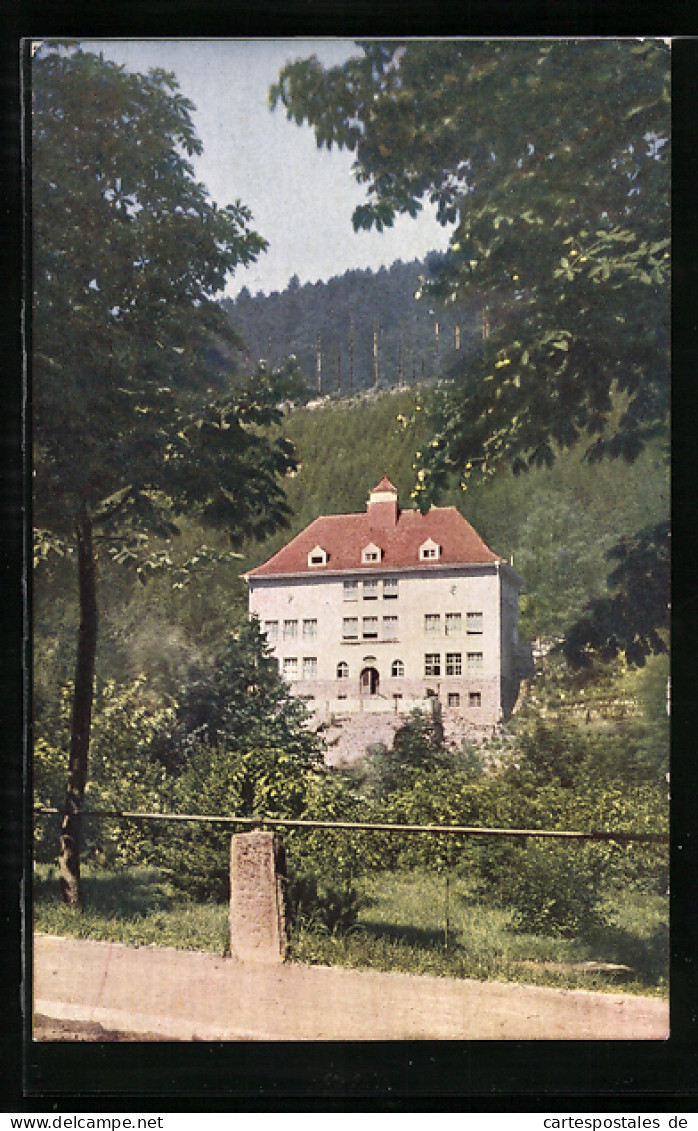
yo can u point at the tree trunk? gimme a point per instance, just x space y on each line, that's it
69 847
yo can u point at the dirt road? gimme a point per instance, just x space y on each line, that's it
181 995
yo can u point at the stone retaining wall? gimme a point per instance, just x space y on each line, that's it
350 736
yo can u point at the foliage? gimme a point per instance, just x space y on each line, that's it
48 779
417 744
129 728
244 702
561 224
369 327
130 348
561 219
420 752
635 618
596 724
554 890
315 904
224 779
241 746
133 423
581 756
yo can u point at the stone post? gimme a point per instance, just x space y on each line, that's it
258 929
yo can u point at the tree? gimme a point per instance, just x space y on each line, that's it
551 161
135 419
242 746
632 618
243 701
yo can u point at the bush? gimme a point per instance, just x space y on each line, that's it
554 889
315 904
221 780
128 724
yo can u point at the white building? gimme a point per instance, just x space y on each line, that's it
380 612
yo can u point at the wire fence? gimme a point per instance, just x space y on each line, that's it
618 836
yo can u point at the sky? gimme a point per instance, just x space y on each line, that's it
301 198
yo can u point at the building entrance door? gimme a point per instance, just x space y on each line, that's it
369 681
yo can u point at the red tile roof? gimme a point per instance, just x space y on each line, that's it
344 536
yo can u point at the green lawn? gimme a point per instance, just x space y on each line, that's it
402 927
132 906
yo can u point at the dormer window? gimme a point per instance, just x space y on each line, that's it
429 551
317 557
371 554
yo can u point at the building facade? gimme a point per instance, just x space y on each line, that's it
381 612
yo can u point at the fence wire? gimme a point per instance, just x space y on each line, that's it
262 821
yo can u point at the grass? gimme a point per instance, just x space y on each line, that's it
135 906
401 928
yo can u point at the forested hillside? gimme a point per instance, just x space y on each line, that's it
357 330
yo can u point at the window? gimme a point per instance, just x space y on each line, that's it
474 661
432 664
342 670
390 628
371 553
290 629
453 663
370 590
291 667
390 588
474 699
429 551
310 667
370 628
453 624
317 557
309 629
271 629
398 669
351 590
350 628
453 699
432 622
474 623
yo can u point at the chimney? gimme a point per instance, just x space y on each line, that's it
383 508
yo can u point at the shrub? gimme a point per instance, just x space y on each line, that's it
222 780
314 903
125 772
554 889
